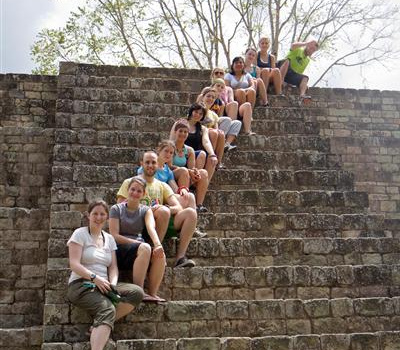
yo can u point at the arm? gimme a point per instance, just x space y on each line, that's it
172 133
230 95
273 61
174 205
172 183
113 270
206 141
113 226
158 250
75 255
298 44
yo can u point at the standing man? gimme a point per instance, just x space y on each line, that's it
299 58
170 217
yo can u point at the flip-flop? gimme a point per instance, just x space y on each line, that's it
153 299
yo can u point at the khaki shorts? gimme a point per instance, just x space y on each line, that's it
98 305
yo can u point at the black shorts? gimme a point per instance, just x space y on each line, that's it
294 78
126 255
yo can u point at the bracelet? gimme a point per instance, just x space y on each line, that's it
158 245
213 156
180 188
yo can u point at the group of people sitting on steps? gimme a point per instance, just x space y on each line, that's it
164 198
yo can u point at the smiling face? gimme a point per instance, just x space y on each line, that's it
149 164
98 216
238 65
251 56
218 73
182 134
135 191
263 44
219 87
209 98
197 115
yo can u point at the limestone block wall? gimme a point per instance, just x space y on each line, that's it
27 109
364 128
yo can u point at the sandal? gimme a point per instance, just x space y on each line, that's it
249 133
150 299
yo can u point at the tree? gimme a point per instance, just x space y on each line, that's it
207 33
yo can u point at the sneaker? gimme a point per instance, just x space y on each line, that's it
185 262
201 208
198 234
231 148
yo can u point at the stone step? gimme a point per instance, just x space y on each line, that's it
253 201
293 225
28 338
331 180
381 340
114 97
274 282
248 318
262 252
88 70
300 160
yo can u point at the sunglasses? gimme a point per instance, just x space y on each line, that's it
218 73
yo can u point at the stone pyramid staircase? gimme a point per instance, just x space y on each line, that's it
293 259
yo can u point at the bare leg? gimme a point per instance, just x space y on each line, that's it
182 176
156 275
303 86
201 160
232 110
213 135
240 96
161 216
265 76
210 167
277 80
246 112
99 337
141 264
251 97
201 187
123 309
219 151
284 68
262 92
185 221
187 201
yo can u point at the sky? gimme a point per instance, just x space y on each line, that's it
21 20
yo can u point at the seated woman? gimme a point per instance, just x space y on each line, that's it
184 158
127 220
230 128
216 135
94 275
269 72
251 68
230 107
244 91
199 140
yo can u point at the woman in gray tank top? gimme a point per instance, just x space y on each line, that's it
127 223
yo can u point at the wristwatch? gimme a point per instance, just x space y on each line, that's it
92 276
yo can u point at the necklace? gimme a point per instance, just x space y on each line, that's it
102 236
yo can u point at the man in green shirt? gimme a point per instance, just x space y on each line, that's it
299 58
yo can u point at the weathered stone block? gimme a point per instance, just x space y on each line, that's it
223 276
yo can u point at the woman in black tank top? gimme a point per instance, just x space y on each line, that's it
199 140
267 63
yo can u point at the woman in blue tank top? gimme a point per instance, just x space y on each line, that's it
251 68
185 158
